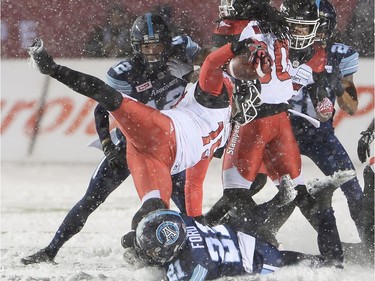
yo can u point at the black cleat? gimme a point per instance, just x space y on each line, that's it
40 58
41 256
128 240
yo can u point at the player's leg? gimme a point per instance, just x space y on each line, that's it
151 175
283 156
178 191
194 187
368 210
103 182
331 158
241 163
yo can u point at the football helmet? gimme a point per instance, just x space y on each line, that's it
160 235
236 9
302 17
151 31
246 99
328 20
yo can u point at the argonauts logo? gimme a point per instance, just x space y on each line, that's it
167 233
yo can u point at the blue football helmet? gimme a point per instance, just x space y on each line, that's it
328 20
160 235
151 29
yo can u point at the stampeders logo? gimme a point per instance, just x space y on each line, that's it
233 140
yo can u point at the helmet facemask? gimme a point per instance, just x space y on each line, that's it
246 100
303 20
301 41
226 9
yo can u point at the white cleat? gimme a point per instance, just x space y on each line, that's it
40 59
287 193
333 181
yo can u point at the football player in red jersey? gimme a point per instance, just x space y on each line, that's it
268 139
161 143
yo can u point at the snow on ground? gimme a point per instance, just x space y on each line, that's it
35 198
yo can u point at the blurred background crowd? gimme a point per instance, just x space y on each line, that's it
93 28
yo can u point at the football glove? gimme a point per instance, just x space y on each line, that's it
191 47
261 60
363 148
179 69
113 154
324 109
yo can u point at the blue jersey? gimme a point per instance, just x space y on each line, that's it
210 252
156 87
214 252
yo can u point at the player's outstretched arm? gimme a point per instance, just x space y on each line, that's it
82 83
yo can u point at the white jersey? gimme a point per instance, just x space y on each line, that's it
199 130
276 86
301 77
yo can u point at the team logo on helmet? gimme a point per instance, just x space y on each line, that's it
167 233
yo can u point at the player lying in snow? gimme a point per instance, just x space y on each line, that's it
161 143
189 249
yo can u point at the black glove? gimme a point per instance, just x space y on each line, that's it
241 47
363 149
113 154
335 81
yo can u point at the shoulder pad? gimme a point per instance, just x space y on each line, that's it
345 56
118 76
318 61
341 50
120 68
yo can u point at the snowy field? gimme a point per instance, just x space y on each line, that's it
35 198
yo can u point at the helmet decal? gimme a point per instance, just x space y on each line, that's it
160 235
167 233
149 24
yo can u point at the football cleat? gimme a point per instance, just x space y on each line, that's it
40 59
41 256
128 240
332 182
287 193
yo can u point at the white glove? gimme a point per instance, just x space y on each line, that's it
324 110
287 193
179 69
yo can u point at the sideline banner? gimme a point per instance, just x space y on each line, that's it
67 124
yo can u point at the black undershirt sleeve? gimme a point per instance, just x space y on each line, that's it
89 86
